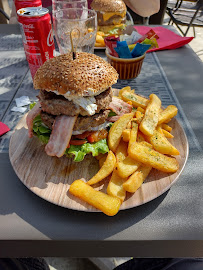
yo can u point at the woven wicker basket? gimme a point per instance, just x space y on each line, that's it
127 68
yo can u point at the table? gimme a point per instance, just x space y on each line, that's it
169 226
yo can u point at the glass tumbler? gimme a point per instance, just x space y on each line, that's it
63 4
80 24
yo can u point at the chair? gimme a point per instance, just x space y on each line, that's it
186 13
4 10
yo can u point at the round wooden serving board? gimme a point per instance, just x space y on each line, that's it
50 177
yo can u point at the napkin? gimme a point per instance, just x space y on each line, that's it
3 128
167 39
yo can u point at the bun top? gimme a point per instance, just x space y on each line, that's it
84 76
109 6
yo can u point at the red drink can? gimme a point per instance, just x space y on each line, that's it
29 3
37 35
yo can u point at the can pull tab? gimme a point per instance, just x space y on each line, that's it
73 50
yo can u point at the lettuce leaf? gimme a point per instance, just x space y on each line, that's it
77 151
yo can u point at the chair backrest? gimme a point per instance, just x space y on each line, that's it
4 11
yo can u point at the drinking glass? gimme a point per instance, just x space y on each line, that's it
63 4
78 23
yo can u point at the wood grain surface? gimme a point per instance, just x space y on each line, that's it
50 177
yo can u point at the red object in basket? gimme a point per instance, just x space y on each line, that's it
168 40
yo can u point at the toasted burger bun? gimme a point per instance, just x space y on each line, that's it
87 75
109 6
110 13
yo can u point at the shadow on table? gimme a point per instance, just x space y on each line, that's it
37 212
57 223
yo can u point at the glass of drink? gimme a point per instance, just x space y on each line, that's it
78 24
63 4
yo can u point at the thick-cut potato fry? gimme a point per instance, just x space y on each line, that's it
102 160
98 44
121 151
167 114
166 127
116 130
126 135
115 186
127 166
139 116
133 134
137 100
100 40
109 205
151 157
146 144
137 178
140 137
140 110
129 125
161 144
105 170
127 88
151 117
167 134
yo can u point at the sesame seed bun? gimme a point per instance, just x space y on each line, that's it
87 75
109 6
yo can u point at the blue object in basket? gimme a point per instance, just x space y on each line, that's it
122 49
139 49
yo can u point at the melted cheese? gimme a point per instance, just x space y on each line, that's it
108 15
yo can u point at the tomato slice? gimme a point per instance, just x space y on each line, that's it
90 138
83 135
77 142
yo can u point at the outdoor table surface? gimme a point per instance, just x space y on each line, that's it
164 227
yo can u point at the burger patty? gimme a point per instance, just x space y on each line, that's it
82 122
58 104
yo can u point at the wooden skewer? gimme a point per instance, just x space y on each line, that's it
71 40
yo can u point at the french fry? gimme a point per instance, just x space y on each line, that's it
139 116
166 127
109 205
140 137
102 160
161 144
126 135
167 114
127 88
105 170
129 125
153 158
140 110
137 178
146 144
115 186
116 130
137 100
167 134
151 117
133 134
100 39
127 166
121 151
98 44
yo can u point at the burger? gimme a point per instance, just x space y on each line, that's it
74 98
111 15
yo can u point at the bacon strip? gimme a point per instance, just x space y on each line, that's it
120 107
31 116
60 135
